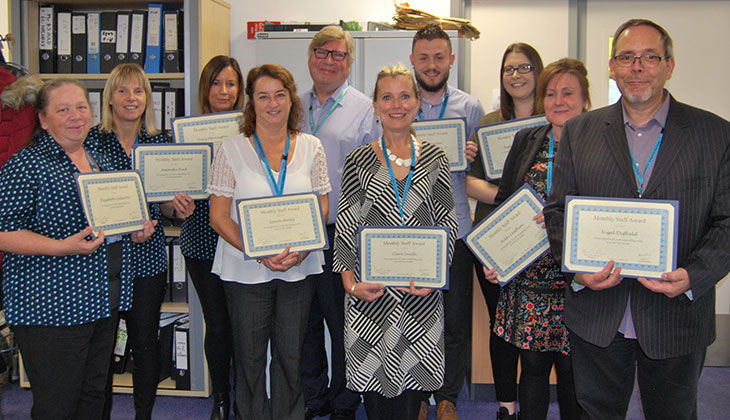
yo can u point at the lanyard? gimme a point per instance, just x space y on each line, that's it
94 168
277 187
551 155
635 165
443 107
399 201
323 119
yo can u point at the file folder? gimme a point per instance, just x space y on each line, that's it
93 31
158 104
108 43
178 277
181 373
174 107
47 39
78 42
172 24
153 60
122 48
95 96
137 39
63 44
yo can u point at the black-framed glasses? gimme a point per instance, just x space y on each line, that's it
337 55
521 69
648 60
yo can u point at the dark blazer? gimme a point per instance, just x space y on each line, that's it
692 166
521 156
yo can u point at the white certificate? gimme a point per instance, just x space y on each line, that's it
169 169
269 224
208 128
639 235
396 255
509 239
495 140
113 201
449 135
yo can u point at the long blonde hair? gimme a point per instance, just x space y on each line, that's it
121 74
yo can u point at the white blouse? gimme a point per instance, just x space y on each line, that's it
239 173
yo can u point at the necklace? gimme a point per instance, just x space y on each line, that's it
404 162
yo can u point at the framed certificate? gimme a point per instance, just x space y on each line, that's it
395 255
449 135
269 224
168 169
208 128
495 140
639 235
509 240
113 201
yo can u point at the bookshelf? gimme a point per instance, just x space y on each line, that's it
206 34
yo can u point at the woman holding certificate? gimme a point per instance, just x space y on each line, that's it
127 119
268 298
520 70
221 90
63 286
393 336
530 308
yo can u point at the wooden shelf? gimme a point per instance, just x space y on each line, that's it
175 307
104 76
123 385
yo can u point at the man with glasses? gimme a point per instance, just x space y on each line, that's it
646 146
431 57
343 119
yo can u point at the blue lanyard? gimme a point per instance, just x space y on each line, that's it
91 162
443 107
400 201
277 187
327 115
635 165
551 155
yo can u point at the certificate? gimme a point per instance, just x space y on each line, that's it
639 235
169 169
495 140
396 255
509 240
208 128
449 135
269 224
113 201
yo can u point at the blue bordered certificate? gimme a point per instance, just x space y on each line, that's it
169 169
639 234
449 135
113 201
495 140
509 239
208 128
269 224
395 255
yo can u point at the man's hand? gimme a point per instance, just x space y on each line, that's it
672 284
604 279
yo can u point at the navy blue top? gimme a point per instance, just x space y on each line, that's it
197 238
148 258
38 193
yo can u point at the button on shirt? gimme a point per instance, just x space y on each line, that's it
38 193
350 125
460 105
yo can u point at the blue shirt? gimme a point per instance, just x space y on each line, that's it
460 105
150 257
38 193
350 125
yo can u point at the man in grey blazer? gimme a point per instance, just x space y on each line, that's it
660 329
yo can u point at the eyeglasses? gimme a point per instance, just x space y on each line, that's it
321 53
649 60
521 69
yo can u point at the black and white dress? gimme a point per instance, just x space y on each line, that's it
395 342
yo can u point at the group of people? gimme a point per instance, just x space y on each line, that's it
391 347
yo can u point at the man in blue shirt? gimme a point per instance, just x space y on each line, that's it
432 57
343 119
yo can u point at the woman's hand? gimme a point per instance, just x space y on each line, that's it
540 219
284 260
491 275
77 244
147 231
470 151
416 291
184 206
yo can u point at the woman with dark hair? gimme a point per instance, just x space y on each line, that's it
220 90
518 74
268 299
530 309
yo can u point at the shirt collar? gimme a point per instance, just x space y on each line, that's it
441 99
314 102
660 116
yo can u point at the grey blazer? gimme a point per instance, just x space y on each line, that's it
693 167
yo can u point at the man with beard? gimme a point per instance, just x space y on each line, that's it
646 146
431 57
343 119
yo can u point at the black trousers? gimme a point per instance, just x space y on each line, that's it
504 356
535 385
403 407
328 305
67 367
218 339
604 380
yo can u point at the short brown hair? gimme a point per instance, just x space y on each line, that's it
506 103
211 70
121 74
277 72
563 66
429 33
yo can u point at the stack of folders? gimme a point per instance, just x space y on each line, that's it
168 322
168 103
95 42
181 372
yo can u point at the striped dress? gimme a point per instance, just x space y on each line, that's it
395 342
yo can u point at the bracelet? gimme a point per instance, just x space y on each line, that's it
352 289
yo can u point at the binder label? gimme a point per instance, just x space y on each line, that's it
153 27
45 32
